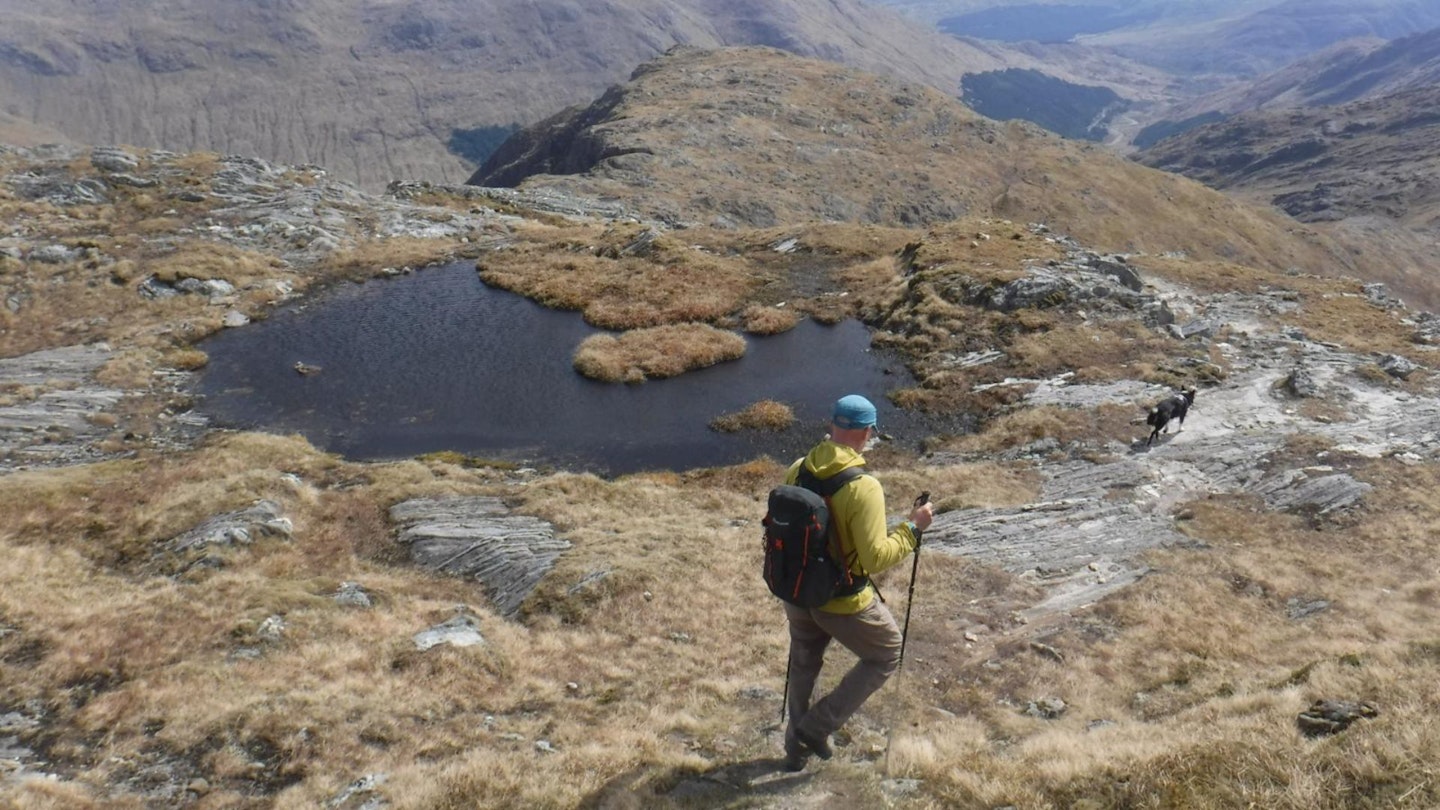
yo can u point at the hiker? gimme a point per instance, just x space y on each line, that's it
856 619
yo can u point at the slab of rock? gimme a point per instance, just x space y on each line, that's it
480 538
241 527
1326 717
461 631
1299 489
55 424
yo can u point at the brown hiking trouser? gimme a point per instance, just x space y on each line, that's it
871 634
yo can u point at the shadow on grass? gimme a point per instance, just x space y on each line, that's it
740 784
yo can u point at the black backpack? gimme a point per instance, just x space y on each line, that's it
803 564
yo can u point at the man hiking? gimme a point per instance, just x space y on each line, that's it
855 617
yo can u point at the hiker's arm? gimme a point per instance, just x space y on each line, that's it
876 548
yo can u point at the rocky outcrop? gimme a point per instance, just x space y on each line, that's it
1084 535
58 413
238 528
565 143
479 538
461 630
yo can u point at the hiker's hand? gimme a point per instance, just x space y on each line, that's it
922 515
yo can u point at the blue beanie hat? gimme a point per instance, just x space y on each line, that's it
853 412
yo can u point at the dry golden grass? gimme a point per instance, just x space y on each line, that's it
209 260
657 616
764 415
1197 668
371 257
758 320
657 352
584 268
1065 425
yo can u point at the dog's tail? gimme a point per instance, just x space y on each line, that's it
1153 418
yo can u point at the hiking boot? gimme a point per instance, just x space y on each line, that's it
795 754
819 746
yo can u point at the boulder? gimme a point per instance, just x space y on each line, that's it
111 159
241 527
463 630
1115 267
352 594
1301 384
1326 717
1397 366
154 289
1379 295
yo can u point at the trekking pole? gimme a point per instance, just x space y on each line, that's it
785 695
910 598
905 633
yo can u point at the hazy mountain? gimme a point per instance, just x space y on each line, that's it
378 89
1187 60
1269 38
1349 71
1224 37
934 10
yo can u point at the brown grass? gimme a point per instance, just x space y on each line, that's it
658 352
764 415
1065 425
585 269
1197 668
369 258
758 320
636 656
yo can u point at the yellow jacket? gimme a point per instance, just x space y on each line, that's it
858 511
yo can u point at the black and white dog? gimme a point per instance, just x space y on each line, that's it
1172 407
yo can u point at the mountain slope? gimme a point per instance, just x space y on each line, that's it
1350 71
378 89
751 137
1269 38
1372 157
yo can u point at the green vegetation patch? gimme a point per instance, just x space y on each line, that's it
1075 111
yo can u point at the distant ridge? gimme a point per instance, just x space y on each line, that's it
376 90
758 138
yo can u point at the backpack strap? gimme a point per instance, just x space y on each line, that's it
826 489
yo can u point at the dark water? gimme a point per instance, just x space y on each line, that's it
439 361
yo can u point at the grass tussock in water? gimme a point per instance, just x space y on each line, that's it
615 284
758 320
764 415
655 353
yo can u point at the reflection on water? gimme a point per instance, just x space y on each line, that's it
439 361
